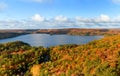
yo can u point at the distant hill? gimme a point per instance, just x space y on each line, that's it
70 31
77 31
97 58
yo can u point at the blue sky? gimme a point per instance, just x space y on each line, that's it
32 14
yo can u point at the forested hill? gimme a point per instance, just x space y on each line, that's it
97 58
71 31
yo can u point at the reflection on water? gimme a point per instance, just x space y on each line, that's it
47 40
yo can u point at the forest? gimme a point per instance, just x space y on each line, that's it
96 58
70 31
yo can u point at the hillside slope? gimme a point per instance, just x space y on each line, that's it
97 58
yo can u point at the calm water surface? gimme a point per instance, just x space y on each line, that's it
47 40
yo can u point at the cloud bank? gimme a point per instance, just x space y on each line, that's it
39 22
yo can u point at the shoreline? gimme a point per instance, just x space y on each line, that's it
4 34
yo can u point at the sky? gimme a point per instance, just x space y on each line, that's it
47 14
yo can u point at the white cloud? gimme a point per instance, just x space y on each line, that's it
37 18
103 18
117 19
61 18
2 5
39 22
41 1
38 1
102 21
81 19
116 1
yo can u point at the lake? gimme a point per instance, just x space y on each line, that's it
47 40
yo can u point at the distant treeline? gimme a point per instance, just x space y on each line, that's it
70 31
10 35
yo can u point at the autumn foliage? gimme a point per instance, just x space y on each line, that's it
97 58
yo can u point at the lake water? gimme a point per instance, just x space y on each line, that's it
47 40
